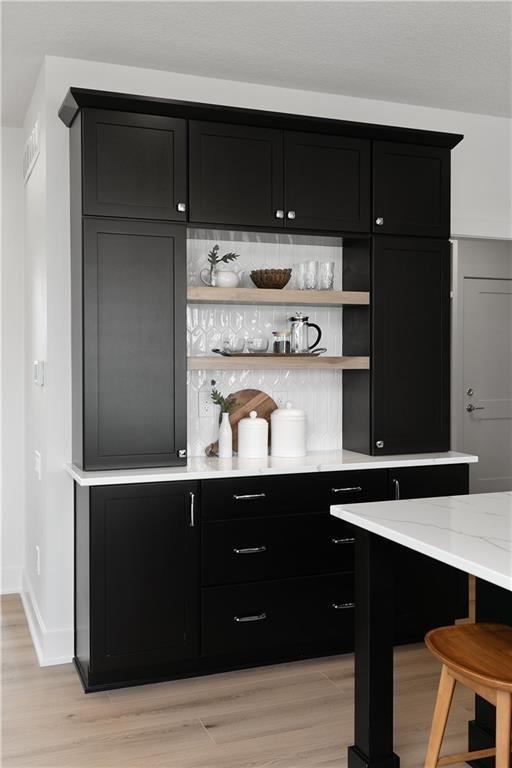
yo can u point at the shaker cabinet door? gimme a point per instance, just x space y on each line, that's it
144 576
327 182
236 174
411 190
134 165
134 381
410 366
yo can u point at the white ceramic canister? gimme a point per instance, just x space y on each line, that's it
252 437
288 432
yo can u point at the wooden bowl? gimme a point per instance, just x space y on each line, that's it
271 278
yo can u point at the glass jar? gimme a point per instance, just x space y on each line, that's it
281 342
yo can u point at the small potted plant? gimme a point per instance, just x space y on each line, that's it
211 275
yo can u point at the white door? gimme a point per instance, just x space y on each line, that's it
487 381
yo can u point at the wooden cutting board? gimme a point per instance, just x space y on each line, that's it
246 400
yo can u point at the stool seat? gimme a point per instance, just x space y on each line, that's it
479 652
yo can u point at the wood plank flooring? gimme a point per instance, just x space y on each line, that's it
296 715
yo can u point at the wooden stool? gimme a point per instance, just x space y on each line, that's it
480 657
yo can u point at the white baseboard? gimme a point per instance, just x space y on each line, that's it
11 581
52 646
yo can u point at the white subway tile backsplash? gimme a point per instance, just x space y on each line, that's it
317 392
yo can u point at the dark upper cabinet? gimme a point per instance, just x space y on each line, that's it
410 363
144 588
134 165
327 182
236 174
133 381
411 189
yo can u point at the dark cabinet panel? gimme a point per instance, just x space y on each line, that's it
144 576
277 614
258 496
236 174
411 189
255 549
410 362
427 593
134 356
327 182
134 165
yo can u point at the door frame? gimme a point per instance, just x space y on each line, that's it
471 258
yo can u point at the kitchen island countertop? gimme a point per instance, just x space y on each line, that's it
472 533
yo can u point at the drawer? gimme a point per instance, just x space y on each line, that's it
255 549
289 494
250 619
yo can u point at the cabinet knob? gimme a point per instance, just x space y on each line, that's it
279 214
181 207
379 221
291 214
379 443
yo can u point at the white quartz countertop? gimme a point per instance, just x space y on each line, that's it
472 533
206 468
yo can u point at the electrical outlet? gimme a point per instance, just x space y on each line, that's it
204 405
38 560
37 464
280 398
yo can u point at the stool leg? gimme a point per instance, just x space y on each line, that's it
503 726
441 710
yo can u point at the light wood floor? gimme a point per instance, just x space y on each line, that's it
288 716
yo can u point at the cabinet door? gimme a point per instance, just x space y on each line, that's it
134 165
428 593
410 363
144 575
327 182
134 382
411 189
236 174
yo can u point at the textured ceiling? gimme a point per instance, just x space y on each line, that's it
454 55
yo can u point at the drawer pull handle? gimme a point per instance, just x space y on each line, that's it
248 496
347 540
353 489
250 550
342 606
244 619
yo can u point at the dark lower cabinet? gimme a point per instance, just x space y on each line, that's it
137 579
411 189
252 619
166 586
130 377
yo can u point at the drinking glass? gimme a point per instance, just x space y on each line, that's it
310 275
326 275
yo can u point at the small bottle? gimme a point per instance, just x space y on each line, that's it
225 438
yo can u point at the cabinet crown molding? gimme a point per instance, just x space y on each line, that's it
79 98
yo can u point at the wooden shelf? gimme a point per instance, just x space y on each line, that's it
276 362
200 295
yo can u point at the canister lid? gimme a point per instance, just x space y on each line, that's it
253 422
288 412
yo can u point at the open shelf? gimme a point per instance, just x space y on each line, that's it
276 362
206 295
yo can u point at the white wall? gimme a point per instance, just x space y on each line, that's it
12 374
480 208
